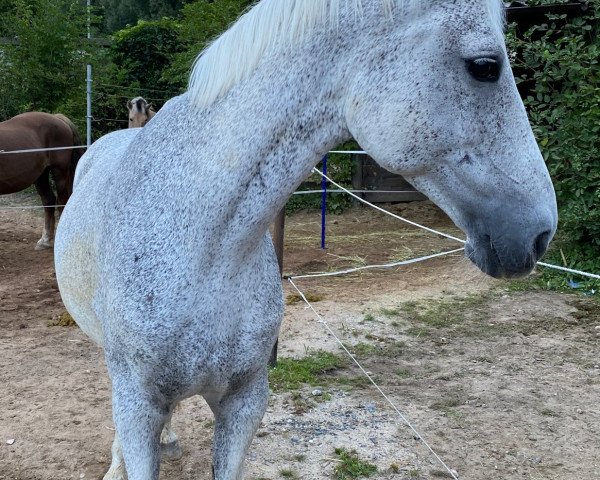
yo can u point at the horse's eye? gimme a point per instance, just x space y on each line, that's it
484 69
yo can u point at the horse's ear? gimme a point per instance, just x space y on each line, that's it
129 105
149 106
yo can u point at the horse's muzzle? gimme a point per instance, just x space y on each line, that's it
509 255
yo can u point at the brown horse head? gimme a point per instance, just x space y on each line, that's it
140 111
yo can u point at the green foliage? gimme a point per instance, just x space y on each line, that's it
142 52
290 373
201 22
41 68
559 61
351 466
120 13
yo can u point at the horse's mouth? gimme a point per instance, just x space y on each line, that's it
500 262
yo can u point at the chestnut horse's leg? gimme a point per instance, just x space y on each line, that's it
64 185
42 185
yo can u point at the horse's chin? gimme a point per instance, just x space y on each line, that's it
491 262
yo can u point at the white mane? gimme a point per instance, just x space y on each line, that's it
229 60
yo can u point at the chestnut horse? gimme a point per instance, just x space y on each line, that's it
19 170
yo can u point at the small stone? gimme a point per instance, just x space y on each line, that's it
579 410
317 393
82 475
597 327
10 441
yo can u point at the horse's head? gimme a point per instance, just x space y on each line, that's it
140 111
432 97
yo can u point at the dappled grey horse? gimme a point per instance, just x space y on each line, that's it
163 255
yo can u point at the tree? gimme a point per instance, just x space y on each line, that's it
201 22
45 62
118 14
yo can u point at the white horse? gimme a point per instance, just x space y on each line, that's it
163 255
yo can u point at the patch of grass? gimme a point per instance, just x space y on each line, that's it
351 466
369 317
300 457
547 412
294 298
291 373
444 312
455 415
359 381
522 285
403 372
447 403
417 332
363 349
441 474
62 320
370 336
389 312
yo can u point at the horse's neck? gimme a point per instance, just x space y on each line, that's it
265 136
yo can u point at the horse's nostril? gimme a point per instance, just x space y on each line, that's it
541 243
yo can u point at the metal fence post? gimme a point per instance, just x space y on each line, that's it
323 203
278 237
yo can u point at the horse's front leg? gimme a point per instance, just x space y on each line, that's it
237 417
169 445
139 419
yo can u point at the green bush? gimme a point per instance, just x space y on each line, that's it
560 73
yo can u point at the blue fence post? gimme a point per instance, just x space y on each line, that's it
323 202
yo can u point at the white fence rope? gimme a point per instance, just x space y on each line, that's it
383 394
30 207
368 267
33 150
307 192
387 212
569 270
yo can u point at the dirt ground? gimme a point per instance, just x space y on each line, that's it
501 379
